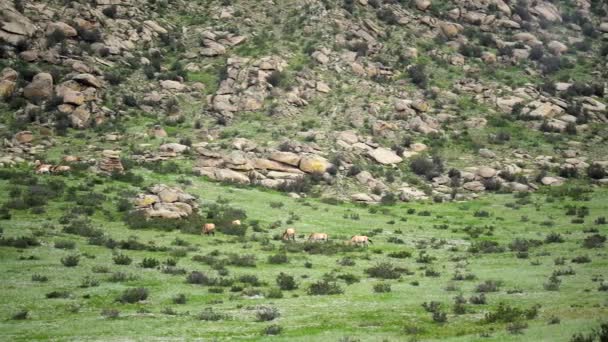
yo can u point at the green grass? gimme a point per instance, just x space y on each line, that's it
359 312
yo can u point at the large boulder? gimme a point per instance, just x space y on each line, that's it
14 26
166 202
474 186
289 158
385 156
62 27
227 175
311 163
24 137
41 88
486 172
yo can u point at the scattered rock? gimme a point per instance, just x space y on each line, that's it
385 156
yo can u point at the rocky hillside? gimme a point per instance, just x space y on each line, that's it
369 100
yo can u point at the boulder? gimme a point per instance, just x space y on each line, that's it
172 85
350 137
408 194
41 88
72 97
110 162
80 117
557 48
311 163
474 186
423 5
485 153
361 197
158 132
227 175
7 88
552 181
289 158
62 27
24 137
88 80
14 26
385 156
486 172
168 195
267 164
173 147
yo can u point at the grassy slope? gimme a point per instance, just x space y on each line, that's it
359 312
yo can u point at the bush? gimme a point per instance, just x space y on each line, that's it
286 282
348 278
418 75
20 315
65 244
110 11
508 314
267 313
122 259
478 299
273 329
279 258
488 286
71 260
384 270
324 287
581 259
554 238
400 255
57 294
382 287
55 37
439 317
247 260
149 263
516 327
20 242
133 295
553 283
594 241
179 299
209 315
40 278
596 171
274 293
200 278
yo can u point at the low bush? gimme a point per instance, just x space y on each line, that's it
267 313
122 259
384 270
286 282
179 299
382 287
488 286
209 315
273 329
324 287
200 278
149 263
71 260
133 295
65 244
594 241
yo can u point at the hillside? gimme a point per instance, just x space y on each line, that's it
466 139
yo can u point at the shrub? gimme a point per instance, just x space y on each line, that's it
200 278
247 260
279 258
382 287
71 260
65 244
286 282
554 238
486 246
21 315
509 314
384 270
110 11
516 327
55 37
179 299
400 255
348 278
594 241
488 286
274 293
133 295
553 283
324 287
418 75
478 299
273 329
267 313
209 315
57 294
439 317
596 171
149 263
19 242
122 259
39 278
120 277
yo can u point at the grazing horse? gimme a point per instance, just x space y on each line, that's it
289 234
209 228
42 168
236 222
315 237
359 240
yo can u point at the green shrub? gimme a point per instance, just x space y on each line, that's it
149 263
200 278
65 244
179 299
286 282
279 258
209 315
382 287
383 270
71 260
122 259
267 313
273 329
324 287
488 286
133 295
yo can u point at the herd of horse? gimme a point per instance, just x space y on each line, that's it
290 235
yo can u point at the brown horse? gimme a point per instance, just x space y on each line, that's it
316 237
360 240
209 228
289 234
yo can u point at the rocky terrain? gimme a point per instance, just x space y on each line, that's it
354 99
